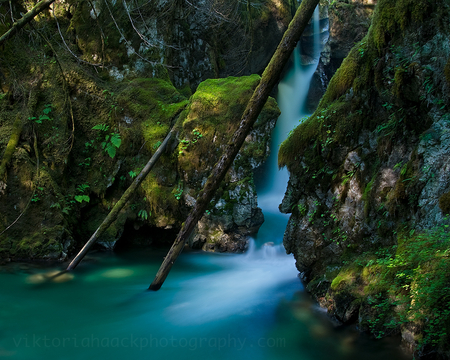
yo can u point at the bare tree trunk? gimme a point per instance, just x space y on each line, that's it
121 203
269 78
40 6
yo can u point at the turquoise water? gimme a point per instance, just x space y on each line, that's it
221 306
212 306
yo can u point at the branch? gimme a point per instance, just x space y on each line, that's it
112 216
30 15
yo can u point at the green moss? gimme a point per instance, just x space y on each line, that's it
366 198
91 32
160 200
411 278
345 278
399 79
12 143
153 103
393 16
333 125
343 78
444 203
447 71
41 243
212 117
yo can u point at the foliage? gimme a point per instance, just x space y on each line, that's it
184 144
82 197
43 116
411 278
178 192
112 141
143 214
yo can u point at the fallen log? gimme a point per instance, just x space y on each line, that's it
122 202
269 78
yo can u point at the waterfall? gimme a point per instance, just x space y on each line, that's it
291 98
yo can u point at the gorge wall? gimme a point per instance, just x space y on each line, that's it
368 189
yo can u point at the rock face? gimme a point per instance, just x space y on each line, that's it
70 202
85 131
369 185
190 40
342 24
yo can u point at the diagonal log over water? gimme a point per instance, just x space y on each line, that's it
269 78
122 201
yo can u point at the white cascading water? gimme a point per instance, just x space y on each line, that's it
292 95
265 265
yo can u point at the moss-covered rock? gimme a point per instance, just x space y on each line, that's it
68 176
370 164
208 124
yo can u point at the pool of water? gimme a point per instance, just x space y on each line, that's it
221 306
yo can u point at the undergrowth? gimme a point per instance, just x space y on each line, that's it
406 284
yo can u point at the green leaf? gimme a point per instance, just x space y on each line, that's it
47 109
115 140
81 198
111 150
132 174
44 117
102 127
143 214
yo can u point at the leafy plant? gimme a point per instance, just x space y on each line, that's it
362 49
82 188
81 198
143 214
112 141
178 192
410 282
86 162
102 127
44 115
132 174
196 136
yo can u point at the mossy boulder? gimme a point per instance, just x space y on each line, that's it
208 123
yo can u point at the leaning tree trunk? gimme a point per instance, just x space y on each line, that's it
269 78
30 15
121 203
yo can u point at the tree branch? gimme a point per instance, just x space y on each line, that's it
30 15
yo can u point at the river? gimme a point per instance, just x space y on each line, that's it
212 306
